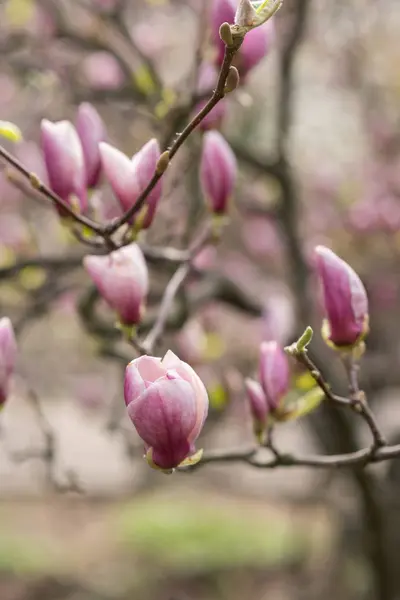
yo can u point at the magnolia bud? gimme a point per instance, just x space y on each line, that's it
274 373
258 405
168 405
345 300
225 34
232 80
65 163
122 280
218 170
129 178
8 356
91 131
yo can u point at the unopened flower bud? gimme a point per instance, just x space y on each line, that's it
168 405
274 373
258 405
129 178
65 163
232 80
8 356
218 170
91 131
122 280
225 34
345 300
163 162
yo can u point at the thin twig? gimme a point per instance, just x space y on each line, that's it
359 402
251 456
176 281
218 95
39 186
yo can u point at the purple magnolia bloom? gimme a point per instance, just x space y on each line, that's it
345 299
274 373
258 404
122 280
168 405
218 170
129 177
65 162
91 131
8 356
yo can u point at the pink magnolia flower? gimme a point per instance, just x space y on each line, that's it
102 71
8 356
64 160
274 373
91 131
345 299
218 171
129 178
122 280
168 405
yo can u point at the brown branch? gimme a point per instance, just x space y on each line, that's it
176 281
217 95
48 452
39 186
251 456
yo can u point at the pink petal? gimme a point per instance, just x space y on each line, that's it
121 174
171 361
165 414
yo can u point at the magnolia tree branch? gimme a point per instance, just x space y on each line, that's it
107 230
378 451
176 281
48 453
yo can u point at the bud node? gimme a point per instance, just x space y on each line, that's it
225 33
163 162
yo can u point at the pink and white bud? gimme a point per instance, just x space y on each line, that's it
345 299
218 171
91 131
122 280
168 405
258 405
65 162
8 356
145 163
129 177
274 373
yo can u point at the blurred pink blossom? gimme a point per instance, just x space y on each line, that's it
102 71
